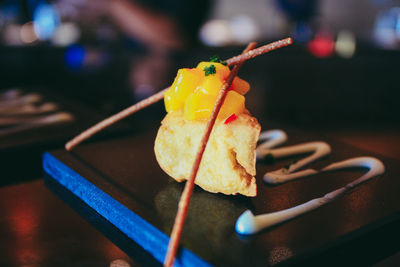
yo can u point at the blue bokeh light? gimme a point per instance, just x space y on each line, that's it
74 56
302 32
45 20
387 28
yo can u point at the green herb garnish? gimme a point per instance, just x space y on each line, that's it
210 70
216 59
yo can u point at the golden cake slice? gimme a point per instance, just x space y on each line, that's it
228 164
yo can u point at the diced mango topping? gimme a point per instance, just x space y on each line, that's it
222 70
233 104
184 84
196 90
210 85
199 106
240 86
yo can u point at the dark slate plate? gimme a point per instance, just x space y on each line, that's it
121 182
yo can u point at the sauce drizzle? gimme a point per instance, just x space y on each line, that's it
248 224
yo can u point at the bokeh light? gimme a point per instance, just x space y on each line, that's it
345 45
387 28
215 33
46 19
302 32
322 46
28 34
75 56
243 29
66 34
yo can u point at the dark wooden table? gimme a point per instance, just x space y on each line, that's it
37 228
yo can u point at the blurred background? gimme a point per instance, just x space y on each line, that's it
92 58
67 64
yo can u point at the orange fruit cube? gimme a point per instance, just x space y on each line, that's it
241 86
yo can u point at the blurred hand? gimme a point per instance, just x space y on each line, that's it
83 9
153 28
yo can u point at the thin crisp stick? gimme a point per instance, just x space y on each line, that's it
115 118
187 192
259 51
160 95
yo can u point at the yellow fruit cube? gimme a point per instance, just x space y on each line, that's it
170 102
199 106
186 81
221 70
233 104
211 85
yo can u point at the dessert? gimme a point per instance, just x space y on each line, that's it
228 163
199 108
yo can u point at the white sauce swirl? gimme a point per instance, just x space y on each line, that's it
320 150
272 139
248 224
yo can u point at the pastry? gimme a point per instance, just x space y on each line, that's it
228 163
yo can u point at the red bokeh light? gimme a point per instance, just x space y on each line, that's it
321 46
